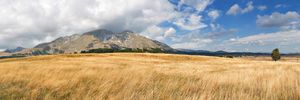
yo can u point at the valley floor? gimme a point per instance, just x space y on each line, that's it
144 76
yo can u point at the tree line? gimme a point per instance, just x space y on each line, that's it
136 50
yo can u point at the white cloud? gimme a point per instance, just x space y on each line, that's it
188 9
176 39
234 10
277 6
249 7
213 14
193 36
262 8
195 19
160 38
158 33
192 40
277 20
277 38
207 41
213 27
295 24
223 32
218 26
191 45
171 31
199 5
190 19
232 39
153 32
23 22
191 22
187 45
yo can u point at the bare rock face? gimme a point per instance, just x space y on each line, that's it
97 39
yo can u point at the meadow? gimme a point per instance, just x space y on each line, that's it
146 76
285 58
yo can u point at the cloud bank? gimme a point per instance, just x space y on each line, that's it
30 22
277 20
277 38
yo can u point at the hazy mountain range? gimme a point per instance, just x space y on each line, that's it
18 49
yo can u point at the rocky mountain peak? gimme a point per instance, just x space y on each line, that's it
127 31
99 32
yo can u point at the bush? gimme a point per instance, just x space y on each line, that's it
229 56
221 55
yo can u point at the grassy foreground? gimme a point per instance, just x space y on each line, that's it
146 76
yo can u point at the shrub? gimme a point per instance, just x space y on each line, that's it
229 56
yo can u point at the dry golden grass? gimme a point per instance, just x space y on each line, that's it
128 76
269 58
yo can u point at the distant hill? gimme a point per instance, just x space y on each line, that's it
14 50
217 53
101 38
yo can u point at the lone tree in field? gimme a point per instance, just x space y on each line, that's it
275 54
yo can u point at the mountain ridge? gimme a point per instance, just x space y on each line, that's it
14 50
100 38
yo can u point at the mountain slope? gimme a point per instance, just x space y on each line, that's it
97 39
14 50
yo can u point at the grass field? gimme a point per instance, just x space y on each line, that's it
268 58
145 76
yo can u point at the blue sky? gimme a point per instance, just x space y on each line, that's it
229 25
245 21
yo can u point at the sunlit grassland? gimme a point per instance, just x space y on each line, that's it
269 58
139 76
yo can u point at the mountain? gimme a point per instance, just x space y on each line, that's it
96 39
14 50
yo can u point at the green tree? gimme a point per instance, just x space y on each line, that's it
275 54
